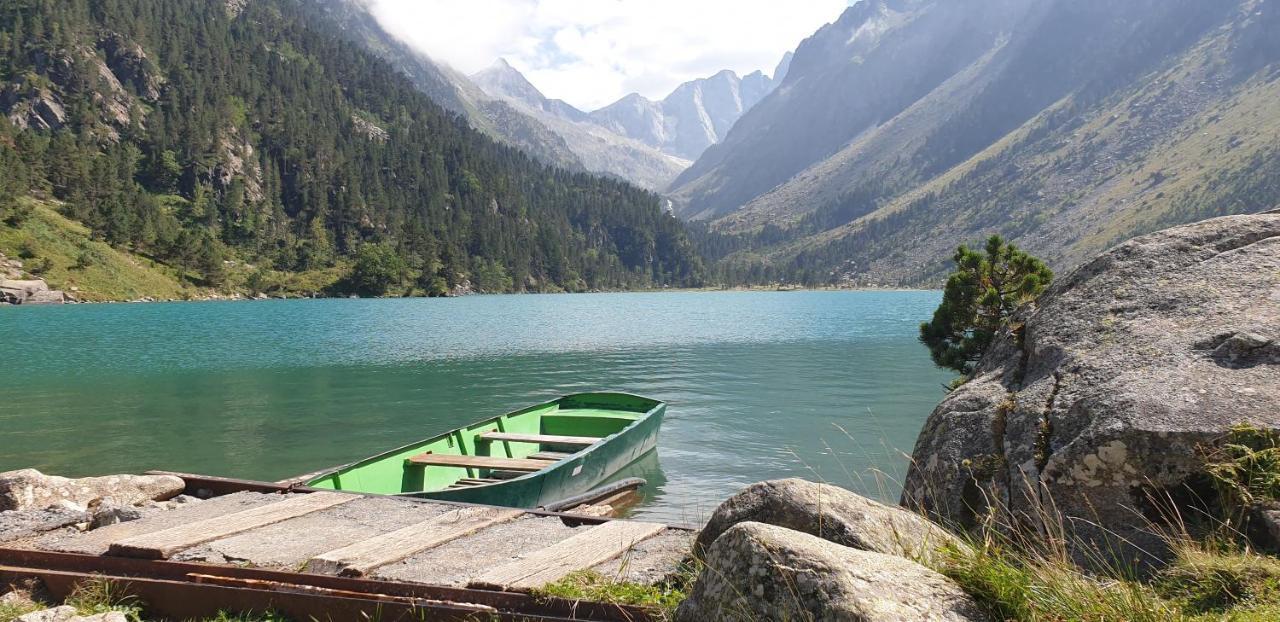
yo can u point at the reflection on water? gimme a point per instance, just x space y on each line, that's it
829 385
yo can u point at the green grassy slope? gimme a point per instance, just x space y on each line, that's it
62 252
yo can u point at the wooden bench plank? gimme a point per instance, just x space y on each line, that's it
596 545
480 462
359 558
581 441
549 455
164 543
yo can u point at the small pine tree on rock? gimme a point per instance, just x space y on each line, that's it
980 297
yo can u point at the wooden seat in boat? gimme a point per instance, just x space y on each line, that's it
581 441
480 462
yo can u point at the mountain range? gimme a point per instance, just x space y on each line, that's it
645 143
696 115
291 134
906 127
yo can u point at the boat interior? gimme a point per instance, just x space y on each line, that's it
486 452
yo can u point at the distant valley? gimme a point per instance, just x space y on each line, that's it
909 126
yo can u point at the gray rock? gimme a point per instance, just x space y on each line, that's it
16 598
15 524
30 489
831 513
48 297
1130 364
109 616
1263 527
110 513
762 572
63 613
20 289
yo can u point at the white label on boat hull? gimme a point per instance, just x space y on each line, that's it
577 470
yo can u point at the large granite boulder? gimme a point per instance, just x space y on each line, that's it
763 572
28 489
1102 397
30 291
831 513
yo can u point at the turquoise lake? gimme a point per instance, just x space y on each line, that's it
760 385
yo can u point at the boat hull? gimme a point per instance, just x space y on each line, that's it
574 474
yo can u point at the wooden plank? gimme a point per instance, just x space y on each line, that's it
359 558
596 545
549 455
480 462
164 543
538 438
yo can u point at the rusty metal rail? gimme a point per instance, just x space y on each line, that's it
181 590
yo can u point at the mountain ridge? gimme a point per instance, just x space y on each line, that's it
1066 126
245 148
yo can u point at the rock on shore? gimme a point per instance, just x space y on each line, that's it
1105 395
797 550
831 513
29 292
773 573
29 489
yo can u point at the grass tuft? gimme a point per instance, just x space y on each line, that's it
590 585
102 596
12 611
1245 467
1205 581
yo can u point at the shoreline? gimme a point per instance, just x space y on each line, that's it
238 297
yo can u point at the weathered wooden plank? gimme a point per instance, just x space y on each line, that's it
594 546
537 438
359 558
480 462
164 543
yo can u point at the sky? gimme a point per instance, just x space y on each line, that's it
590 53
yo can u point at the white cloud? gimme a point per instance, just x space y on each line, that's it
591 52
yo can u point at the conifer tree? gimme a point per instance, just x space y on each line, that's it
980 297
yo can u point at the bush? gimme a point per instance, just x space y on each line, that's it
28 249
377 268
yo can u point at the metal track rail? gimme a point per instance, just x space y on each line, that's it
181 590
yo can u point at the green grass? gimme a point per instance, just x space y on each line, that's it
94 597
61 251
1199 585
1245 468
590 585
11 612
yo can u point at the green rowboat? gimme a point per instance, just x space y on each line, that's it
524 459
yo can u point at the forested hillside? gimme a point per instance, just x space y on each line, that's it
213 134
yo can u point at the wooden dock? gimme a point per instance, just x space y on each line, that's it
294 550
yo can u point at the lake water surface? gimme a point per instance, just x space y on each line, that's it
760 385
